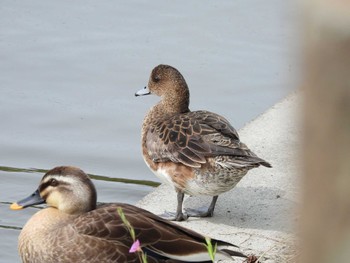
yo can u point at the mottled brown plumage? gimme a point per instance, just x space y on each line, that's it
198 152
73 230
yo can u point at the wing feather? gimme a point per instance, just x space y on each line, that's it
190 138
162 238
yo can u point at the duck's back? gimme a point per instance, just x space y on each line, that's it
51 237
193 137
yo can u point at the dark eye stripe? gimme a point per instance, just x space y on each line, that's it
43 186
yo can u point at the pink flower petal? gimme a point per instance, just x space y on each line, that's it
135 246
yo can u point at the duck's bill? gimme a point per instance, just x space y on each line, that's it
33 199
142 92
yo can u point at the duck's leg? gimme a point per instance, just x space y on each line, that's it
179 215
211 208
207 213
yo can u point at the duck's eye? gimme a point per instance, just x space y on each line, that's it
53 182
156 78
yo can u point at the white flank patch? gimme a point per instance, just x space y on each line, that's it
164 176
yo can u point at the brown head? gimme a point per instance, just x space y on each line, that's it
66 188
168 83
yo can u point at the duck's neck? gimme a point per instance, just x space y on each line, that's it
165 109
44 220
176 100
170 106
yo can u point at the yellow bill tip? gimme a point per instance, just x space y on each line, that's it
16 206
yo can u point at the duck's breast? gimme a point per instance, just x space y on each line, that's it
37 241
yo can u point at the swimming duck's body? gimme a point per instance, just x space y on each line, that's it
72 229
198 152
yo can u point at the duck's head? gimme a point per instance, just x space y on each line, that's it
168 83
66 188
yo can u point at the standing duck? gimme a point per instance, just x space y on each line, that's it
73 229
198 152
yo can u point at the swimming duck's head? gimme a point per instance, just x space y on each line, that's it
66 188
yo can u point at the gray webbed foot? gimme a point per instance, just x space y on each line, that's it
174 216
200 212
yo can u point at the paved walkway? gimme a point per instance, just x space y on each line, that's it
259 214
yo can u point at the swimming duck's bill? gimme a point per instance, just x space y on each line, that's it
142 92
33 199
15 206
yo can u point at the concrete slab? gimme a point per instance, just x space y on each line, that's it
259 214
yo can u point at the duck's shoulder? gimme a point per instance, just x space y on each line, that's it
107 223
192 123
108 216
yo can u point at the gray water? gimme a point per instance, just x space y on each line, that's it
69 71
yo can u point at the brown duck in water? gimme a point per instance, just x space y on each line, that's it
73 229
198 152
